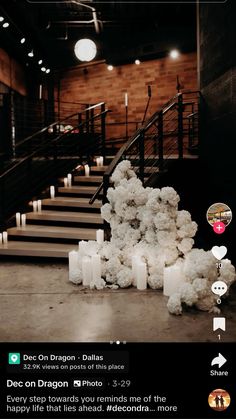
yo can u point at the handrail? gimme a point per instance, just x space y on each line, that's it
44 146
176 100
57 123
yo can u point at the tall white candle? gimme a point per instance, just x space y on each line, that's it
135 261
101 161
18 219
39 205
173 279
86 270
98 161
23 220
74 272
0 238
126 99
100 236
141 276
86 170
65 182
35 206
52 192
96 268
69 177
5 237
82 249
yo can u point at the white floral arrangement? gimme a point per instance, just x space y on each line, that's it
146 222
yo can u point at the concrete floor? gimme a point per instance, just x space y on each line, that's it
37 303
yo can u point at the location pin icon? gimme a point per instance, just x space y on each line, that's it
14 358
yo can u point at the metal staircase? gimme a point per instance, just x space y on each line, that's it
74 213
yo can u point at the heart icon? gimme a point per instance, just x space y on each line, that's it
219 252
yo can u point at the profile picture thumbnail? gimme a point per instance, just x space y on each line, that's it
219 399
219 212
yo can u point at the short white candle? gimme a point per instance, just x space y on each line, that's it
23 220
86 270
35 206
96 268
141 276
126 99
18 219
86 170
39 205
69 177
65 182
52 192
0 238
135 261
100 236
73 266
173 279
82 248
5 237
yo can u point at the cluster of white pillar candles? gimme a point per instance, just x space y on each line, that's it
67 182
91 265
99 161
37 205
20 220
3 238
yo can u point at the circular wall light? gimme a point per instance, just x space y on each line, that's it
174 53
85 49
137 62
110 67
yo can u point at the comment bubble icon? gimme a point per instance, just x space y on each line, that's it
219 288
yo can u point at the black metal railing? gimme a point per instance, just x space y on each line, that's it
49 153
165 134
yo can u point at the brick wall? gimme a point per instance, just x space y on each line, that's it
11 73
98 84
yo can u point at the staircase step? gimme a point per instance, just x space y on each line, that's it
98 168
67 201
88 179
65 216
53 232
84 190
36 249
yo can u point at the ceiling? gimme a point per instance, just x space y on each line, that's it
124 30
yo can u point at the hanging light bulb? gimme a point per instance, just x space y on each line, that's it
48 71
43 69
40 62
1 18
85 49
31 54
5 25
22 41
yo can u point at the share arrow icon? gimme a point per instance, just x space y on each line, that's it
219 360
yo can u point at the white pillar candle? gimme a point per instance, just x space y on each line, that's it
35 206
23 220
135 261
74 271
141 276
0 238
18 219
52 192
39 205
82 249
65 182
86 170
173 279
100 236
126 99
5 237
69 177
101 161
96 268
86 271
98 161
